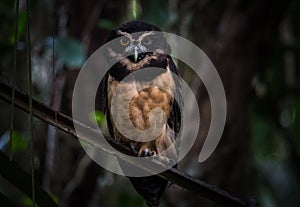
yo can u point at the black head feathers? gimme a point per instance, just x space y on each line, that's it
132 27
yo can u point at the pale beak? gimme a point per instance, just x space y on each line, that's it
136 54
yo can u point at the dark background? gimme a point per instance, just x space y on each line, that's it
255 48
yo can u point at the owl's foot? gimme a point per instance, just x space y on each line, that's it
156 157
146 152
133 148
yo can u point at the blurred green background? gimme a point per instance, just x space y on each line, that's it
255 46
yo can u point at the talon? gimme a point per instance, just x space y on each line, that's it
147 153
132 146
172 162
152 153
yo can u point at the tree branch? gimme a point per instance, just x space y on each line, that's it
65 123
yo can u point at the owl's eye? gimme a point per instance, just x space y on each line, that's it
124 41
147 41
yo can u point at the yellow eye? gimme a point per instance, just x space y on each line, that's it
124 41
147 41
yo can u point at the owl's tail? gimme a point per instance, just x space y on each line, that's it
151 188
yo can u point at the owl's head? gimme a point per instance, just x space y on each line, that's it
136 41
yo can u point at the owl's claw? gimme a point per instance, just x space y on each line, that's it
147 153
157 158
133 148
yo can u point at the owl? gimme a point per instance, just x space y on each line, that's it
141 45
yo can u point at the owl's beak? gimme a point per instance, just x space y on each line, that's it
136 55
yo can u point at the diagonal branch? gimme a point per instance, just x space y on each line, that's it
65 123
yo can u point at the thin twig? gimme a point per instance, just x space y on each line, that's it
12 109
173 175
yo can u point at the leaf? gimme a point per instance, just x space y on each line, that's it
156 12
70 51
265 144
106 24
20 142
127 199
27 202
97 117
21 27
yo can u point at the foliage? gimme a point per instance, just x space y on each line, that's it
275 128
19 144
70 52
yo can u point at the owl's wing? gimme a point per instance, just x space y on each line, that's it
174 120
106 108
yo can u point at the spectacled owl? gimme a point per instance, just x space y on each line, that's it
140 46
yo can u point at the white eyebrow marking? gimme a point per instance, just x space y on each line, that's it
134 47
125 34
145 35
